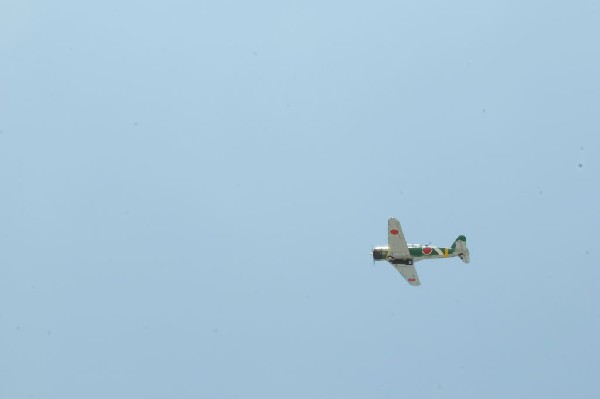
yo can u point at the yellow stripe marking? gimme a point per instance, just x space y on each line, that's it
445 252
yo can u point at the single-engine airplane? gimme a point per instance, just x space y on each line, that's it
403 256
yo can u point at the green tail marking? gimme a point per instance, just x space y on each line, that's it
460 238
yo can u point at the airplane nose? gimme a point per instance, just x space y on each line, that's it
379 254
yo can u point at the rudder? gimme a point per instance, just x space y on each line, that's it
460 247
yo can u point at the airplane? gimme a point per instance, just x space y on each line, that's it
403 256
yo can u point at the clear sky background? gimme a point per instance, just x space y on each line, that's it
190 191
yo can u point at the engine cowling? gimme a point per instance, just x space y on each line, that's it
380 253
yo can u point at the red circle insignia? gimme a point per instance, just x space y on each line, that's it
394 232
427 250
412 280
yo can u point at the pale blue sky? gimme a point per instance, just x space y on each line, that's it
190 191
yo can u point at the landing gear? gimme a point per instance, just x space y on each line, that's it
408 262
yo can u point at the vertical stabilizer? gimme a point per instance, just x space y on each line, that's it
460 248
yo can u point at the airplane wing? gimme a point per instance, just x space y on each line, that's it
396 240
409 273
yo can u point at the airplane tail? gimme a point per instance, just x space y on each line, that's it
460 247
